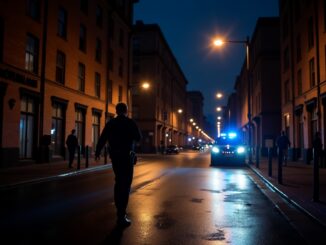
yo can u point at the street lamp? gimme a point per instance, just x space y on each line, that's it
219 95
220 42
218 108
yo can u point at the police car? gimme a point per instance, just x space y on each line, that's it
228 150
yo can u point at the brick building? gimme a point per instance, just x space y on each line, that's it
63 65
264 75
303 73
160 111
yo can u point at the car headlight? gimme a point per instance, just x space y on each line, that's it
240 149
215 149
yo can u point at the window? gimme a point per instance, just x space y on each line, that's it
31 54
298 46
81 77
110 91
99 16
120 94
84 6
121 38
80 125
111 60
28 120
299 81
286 91
121 67
95 128
97 84
34 9
98 51
61 67
57 129
82 38
111 28
312 72
62 23
310 33
286 59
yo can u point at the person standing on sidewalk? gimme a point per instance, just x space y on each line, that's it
317 146
121 132
283 144
72 143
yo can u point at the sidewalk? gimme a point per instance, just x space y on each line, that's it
38 172
297 186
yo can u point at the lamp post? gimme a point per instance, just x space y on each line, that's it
219 42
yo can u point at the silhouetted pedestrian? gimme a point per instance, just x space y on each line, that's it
317 146
121 132
72 143
283 144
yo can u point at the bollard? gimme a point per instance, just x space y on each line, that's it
78 156
257 157
105 155
280 162
316 177
270 157
86 156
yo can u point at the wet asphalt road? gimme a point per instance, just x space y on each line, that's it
176 199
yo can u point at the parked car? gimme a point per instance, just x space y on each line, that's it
170 149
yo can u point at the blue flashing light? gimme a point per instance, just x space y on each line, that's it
232 135
215 149
240 150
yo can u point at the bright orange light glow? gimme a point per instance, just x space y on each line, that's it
218 42
145 85
180 111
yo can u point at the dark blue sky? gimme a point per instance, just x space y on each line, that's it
189 26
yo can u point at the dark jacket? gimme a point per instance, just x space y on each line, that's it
72 141
283 142
121 132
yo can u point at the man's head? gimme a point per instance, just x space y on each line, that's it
121 109
282 133
73 131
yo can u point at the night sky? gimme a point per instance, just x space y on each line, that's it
190 25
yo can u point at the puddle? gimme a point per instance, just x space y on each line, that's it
216 236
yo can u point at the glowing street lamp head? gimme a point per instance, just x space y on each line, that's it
145 85
219 118
218 109
218 42
180 111
219 95
191 120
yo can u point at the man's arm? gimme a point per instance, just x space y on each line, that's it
102 140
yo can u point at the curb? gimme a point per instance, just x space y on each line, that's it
55 177
287 198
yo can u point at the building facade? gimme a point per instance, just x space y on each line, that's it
159 111
264 90
303 73
63 66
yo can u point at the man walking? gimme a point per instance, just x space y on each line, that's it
283 144
72 143
121 132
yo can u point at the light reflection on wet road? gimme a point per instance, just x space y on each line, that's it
175 200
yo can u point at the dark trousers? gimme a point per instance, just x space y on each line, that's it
123 169
71 155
